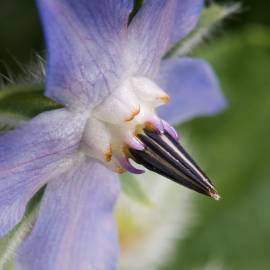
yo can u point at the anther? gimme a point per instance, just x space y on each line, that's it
164 155
108 154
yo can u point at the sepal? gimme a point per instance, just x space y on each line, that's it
19 103
10 243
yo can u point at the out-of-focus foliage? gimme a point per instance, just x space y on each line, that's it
20 34
211 17
234 147
21 102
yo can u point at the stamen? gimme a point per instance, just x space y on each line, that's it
119 169
170 130
214 194
108 154
163 154
135 143
164 99
155 124
129 167
186 155
134 131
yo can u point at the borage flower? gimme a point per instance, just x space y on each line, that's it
106 68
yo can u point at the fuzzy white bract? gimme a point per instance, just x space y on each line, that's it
113 125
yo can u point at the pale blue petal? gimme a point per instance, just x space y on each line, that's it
85 44
149 36
187 15
193 88
30 156
156 28
76 227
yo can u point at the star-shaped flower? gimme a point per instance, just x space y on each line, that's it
107 69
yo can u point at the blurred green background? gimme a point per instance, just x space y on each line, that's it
234 147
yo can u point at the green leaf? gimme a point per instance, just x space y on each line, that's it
10 243
210 18
132 188
234 148
22 102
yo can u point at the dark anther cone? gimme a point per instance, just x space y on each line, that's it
164 155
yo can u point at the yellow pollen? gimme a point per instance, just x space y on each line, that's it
119 169
108 154
133 114
164 99
150 126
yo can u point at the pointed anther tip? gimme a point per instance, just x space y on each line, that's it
214 194
164 155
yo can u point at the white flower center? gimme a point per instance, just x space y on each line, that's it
125 126
113 124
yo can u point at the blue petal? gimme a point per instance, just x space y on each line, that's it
31 156
193 88
187 15
149 36
85 40
156 28
75 228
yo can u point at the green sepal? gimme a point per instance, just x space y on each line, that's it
10 243
21 102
